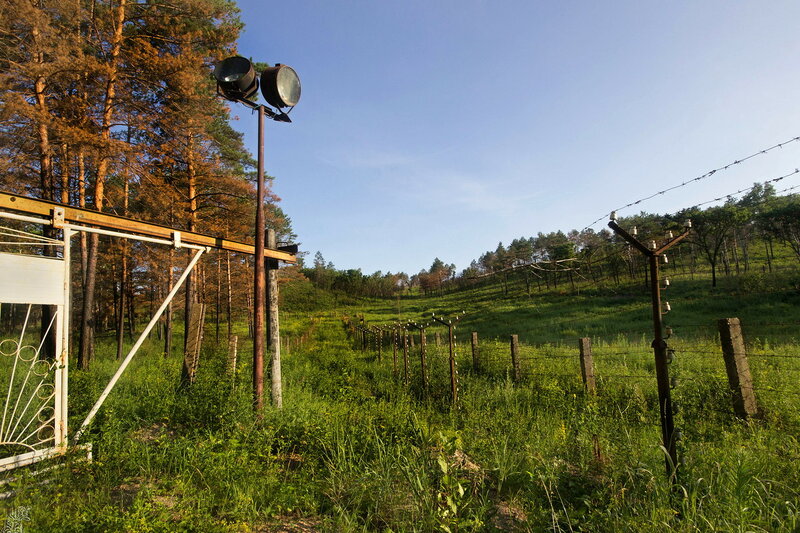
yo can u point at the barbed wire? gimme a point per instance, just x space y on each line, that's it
698 178
741 191
762 390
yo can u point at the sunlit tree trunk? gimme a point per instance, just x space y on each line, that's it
88 320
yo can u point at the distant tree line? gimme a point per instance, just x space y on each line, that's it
353 281
723 239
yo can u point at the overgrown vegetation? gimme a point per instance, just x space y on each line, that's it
354 449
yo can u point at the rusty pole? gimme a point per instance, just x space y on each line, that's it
395 337
363 335
659 344
662 369
422 354
259 282
423 341
379 340
453 371
451 342
405 356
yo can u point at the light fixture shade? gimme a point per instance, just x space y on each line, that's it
236 78
280 86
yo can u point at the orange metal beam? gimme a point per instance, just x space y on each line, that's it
76 215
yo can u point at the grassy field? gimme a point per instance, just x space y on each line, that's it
356 449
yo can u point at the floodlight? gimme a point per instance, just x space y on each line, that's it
236 78
280 86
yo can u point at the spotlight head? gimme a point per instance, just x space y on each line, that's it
236 78
280 86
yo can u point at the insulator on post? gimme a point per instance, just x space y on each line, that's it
666 259
613 216
666 282
667 307
668 331
653 245
673 382
677 435
688 223
670 356
669 235
635 231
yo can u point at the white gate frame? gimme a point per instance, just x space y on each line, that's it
44 291
62 347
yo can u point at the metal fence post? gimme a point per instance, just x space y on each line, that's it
395 335
423 341
405 356
587 364
476 362
515 362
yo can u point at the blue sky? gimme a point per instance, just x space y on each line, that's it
441 128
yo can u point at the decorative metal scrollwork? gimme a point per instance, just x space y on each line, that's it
27 391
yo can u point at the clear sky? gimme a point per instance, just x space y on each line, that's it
440 128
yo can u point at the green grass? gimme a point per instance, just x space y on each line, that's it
355 449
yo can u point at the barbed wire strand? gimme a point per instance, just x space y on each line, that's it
698 178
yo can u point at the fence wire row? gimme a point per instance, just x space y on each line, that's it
700 380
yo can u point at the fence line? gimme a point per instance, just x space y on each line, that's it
429 376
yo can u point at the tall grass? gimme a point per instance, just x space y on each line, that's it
354 449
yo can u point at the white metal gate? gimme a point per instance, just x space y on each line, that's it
33 362
33 386
34 351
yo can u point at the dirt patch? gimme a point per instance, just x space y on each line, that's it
126 492
464 462
289 524
156 432
509 517
292 460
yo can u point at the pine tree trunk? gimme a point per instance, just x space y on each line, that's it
123 276
87 319
168 313
230 294
190 295
87 316
84 247
218 295
46 184
121 301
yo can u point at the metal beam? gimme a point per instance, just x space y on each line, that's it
76 215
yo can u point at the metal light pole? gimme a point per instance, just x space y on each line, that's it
237 81
260 278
